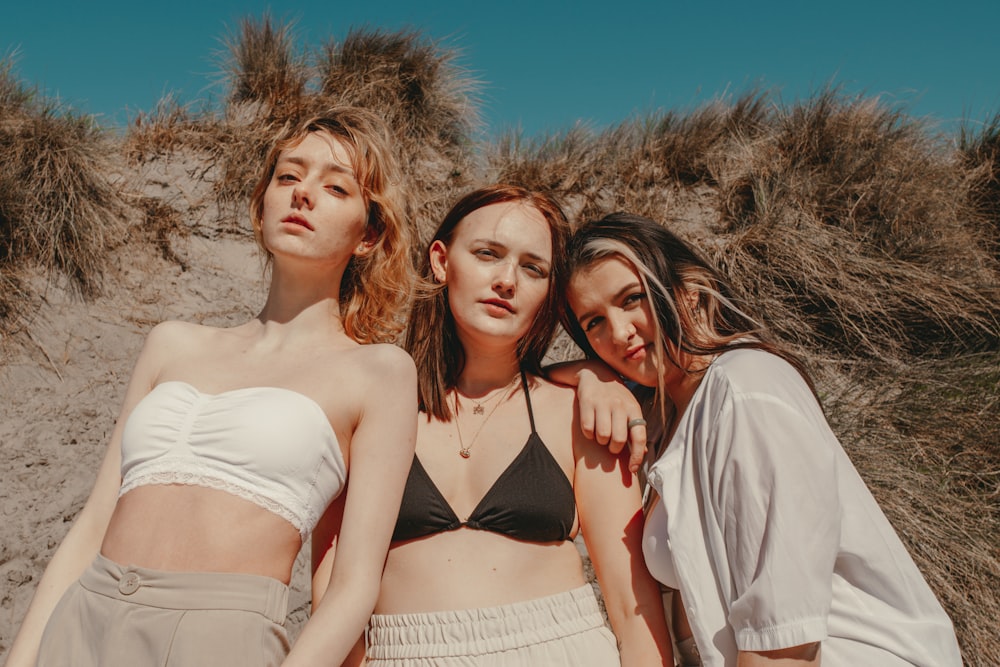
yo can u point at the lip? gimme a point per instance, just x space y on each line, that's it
295 219
499 304
635 353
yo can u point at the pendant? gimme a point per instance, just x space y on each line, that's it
477 409
464 452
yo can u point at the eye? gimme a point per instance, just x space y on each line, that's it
486 253
538 271
337 189
285 178
591 324
633 299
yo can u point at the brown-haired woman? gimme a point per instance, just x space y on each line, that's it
483 569
781 553
232 443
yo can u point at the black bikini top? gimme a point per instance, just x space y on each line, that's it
531 500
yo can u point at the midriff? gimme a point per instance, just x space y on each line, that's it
177 527
468 568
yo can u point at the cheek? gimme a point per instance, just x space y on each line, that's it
538 296
600 345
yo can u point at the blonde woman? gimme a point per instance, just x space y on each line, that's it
232 443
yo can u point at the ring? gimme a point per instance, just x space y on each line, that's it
636 422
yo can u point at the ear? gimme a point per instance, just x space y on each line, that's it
368 242
438 254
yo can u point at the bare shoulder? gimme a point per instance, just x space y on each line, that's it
168 338
173 339
385 357
554 408
556 405
554 397
175 333
385 365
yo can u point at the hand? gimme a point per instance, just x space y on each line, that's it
611 415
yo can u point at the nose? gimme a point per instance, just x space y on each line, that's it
622 329
505 280
301 195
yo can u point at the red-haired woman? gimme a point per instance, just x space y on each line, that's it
483 569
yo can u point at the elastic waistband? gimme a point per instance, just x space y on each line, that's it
483 630
187 590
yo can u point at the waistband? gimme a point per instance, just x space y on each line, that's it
485 629
187 590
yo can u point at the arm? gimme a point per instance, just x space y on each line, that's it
606 406
324 548
381 452
796 656
778 509
83 540
611 520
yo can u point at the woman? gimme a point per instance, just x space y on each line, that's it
233 442
779 550
483 569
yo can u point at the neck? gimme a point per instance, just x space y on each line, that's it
486 371
680 383
302 303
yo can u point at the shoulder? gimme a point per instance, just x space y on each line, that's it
557 419
762 392
172 337
178 333
752 371
384 366
549 394
385 357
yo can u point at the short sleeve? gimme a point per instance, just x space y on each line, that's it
775 494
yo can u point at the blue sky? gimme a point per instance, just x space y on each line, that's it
544 65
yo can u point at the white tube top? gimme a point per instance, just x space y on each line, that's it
274 447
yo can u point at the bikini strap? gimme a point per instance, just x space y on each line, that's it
527 399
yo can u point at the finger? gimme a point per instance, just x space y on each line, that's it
637 446
603 430
619 431
587 423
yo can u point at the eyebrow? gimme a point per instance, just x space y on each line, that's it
329 166
494 242
615 297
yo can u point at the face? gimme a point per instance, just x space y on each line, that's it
314 206
497 270
612 308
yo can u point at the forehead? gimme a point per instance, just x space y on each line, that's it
599 281
323 148
513 224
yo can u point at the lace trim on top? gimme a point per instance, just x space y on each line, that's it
303 521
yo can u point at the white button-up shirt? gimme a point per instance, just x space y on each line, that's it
776 540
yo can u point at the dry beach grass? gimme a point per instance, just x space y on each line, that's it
869 240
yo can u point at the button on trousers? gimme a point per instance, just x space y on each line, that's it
118 615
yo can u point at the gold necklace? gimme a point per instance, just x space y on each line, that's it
464 451
477 406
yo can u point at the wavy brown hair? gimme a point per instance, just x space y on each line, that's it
667 268
431 337
375 288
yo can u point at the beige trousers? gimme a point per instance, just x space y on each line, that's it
136 617
566 629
